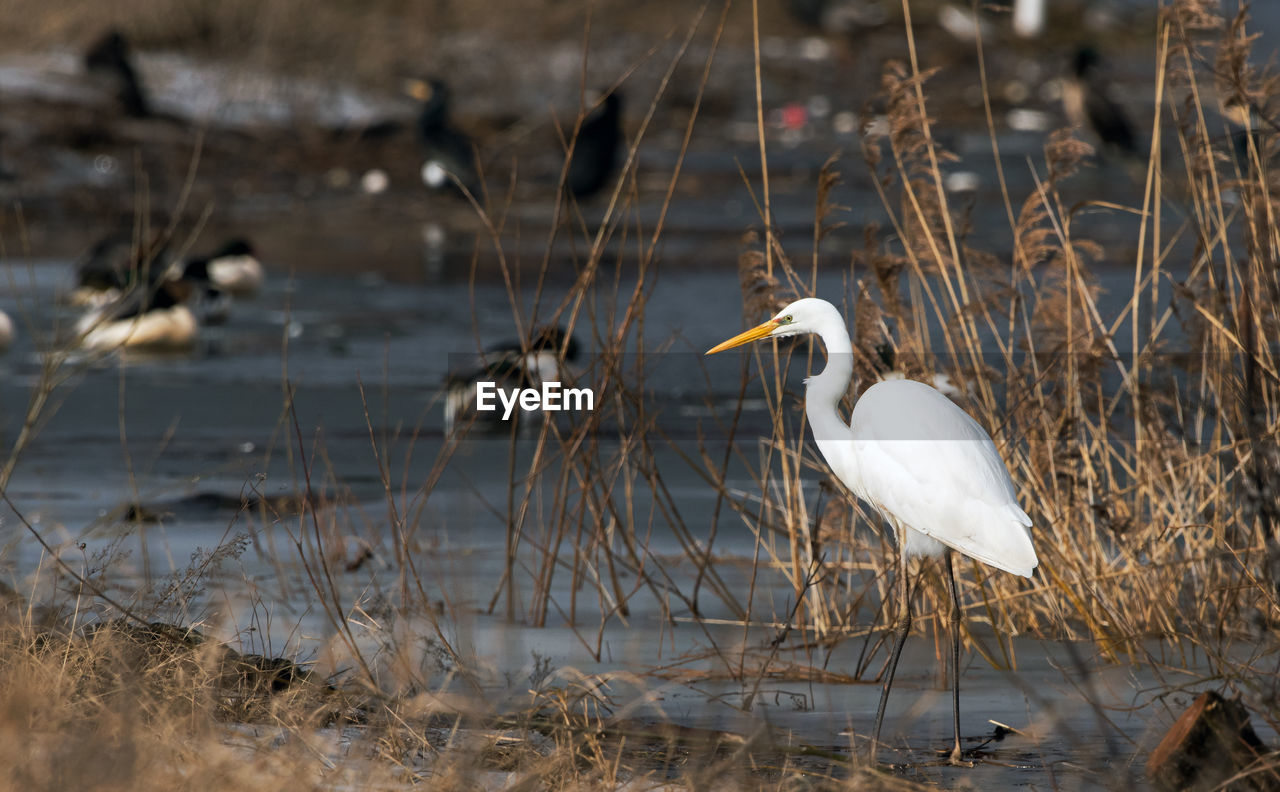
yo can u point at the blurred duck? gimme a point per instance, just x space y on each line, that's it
114 264
211 304
448 153
155 317
6 332
1250 132
595 151
941 382
508 365
888 370
233 269
1086 103
110 61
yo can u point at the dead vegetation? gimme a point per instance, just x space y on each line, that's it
1143 446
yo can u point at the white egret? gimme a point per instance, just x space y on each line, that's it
931 471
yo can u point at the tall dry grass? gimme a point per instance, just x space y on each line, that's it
1143 446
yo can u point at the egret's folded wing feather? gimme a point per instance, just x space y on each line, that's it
926 462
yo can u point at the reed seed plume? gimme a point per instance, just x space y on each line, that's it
761 292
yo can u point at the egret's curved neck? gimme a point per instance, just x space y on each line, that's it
824 391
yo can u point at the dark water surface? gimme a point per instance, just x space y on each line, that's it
173 432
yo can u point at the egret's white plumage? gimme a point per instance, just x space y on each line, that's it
930 469
918 459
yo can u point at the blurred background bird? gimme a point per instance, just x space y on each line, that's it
234 268
116 262
594 160
547 357
448 154
7 332
109 60
1087 102
155 316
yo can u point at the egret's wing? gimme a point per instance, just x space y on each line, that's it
925 462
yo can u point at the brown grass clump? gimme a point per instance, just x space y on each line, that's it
124 707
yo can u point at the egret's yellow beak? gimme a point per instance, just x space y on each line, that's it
754 334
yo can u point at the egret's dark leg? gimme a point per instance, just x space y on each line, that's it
956 753
900 637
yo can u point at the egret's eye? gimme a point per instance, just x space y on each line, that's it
787 319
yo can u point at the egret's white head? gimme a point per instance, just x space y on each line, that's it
808 315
